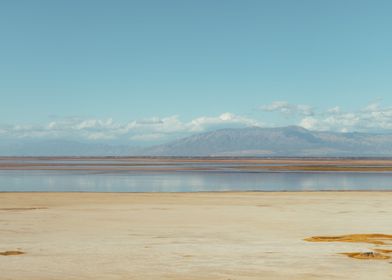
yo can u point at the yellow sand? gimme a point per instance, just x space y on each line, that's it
200 236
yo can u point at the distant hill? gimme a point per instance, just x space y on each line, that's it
251 141
62 148
284 141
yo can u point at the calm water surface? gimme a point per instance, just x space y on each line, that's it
188 181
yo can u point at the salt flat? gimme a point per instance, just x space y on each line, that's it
191 235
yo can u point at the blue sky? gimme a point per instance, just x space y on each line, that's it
154 70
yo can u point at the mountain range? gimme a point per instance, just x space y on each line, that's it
250 141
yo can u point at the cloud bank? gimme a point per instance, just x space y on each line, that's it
372 118
152 129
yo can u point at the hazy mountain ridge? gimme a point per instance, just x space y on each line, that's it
251 141
286 141
63 148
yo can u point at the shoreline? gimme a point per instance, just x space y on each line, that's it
197 192
163 164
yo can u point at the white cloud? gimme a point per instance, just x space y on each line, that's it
334 110
225 119
80 124
288 108
309 122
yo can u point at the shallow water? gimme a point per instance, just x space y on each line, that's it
188 181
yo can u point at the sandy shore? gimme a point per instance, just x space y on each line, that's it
191 236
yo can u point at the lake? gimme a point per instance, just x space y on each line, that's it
83 175
195 181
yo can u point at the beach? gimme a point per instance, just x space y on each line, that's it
211 235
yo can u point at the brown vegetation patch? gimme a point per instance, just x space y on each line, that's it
374 238
384 251
22 209
367 256
11 253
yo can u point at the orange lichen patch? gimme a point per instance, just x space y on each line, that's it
367 256
375 238
384 251
11 253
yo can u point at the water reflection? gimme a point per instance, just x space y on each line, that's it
89 181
